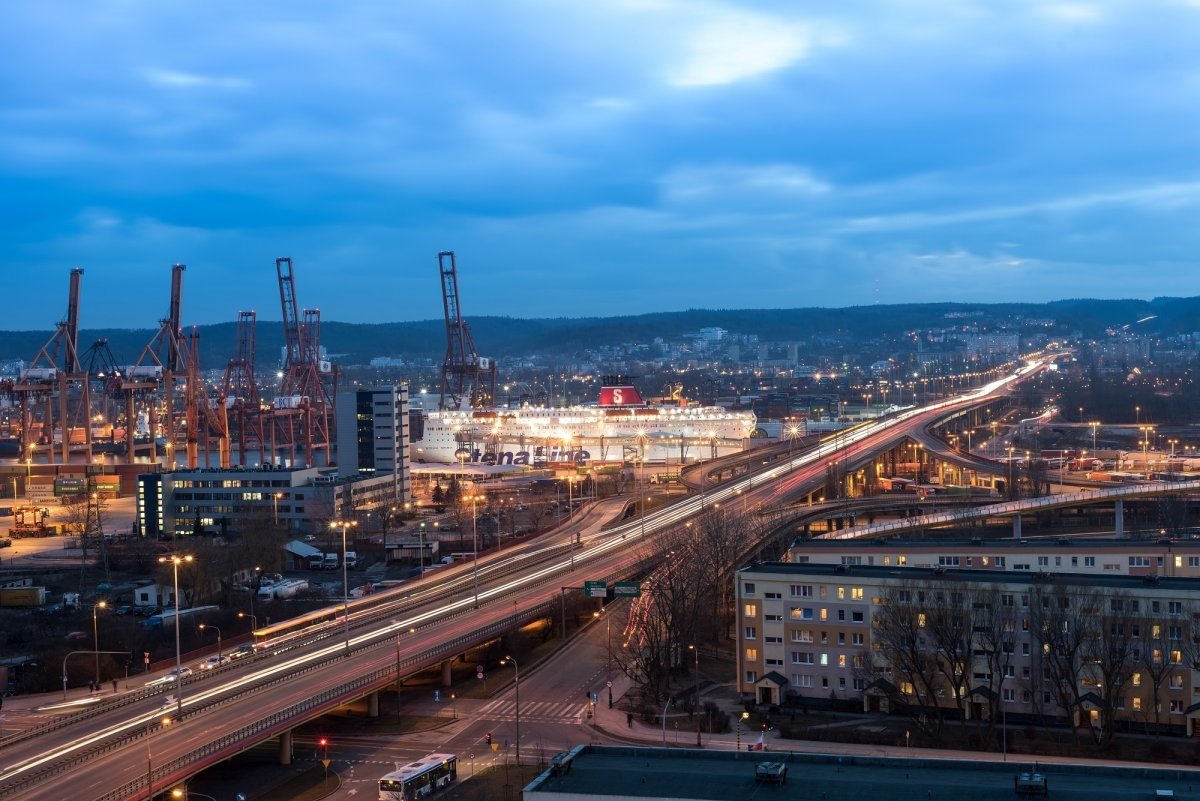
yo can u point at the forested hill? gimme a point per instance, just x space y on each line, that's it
505 336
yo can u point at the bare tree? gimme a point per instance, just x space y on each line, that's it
1111 653
1166 648
994 627
1063 627
907 657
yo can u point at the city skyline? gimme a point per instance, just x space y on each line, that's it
585 162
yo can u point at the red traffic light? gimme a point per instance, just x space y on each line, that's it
323 742
487 738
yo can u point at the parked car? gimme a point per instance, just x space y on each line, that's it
76 636
5 542
215 662
123 610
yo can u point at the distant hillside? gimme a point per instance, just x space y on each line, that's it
506 336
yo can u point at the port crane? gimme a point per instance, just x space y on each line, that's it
467 377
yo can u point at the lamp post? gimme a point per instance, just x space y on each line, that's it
343 525
96 635
175 561
695 649
608 659
255 583
475 555
1094 424
275 502
204 626
150 762
253 626
517 688
743 716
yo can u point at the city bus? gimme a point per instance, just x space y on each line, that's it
419 779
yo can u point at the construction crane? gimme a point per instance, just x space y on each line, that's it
302 412
54 372
466 376
240 399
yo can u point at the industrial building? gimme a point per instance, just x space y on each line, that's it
821 631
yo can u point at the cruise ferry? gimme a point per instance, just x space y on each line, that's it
620 428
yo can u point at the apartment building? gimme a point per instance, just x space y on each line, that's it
1089 556
822 631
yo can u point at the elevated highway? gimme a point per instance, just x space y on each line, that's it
231 709
1014 509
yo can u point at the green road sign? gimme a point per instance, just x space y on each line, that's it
595 589
627 589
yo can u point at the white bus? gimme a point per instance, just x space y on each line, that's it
419 779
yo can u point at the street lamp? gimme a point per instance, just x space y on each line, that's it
275 502
204 626
96 635
343 525
475 555
696 670
253 625
150 761
608 658
743 716
517 688
175 561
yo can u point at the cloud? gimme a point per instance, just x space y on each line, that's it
187 80
739 183
730 45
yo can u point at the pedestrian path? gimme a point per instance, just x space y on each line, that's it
505 709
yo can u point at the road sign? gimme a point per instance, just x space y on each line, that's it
495 746
627 589
595 589
240 797
608 684
437 695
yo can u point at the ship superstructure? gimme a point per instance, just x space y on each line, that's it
621 427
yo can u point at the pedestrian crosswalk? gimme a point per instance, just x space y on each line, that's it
505 709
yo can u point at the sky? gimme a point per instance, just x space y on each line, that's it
590 158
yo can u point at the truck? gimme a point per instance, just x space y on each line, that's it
331 561
351 559
282 589
316 561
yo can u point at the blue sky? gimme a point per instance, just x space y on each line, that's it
595 158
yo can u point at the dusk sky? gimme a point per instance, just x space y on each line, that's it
594 158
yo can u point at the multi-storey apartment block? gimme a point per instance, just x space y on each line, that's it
1103 650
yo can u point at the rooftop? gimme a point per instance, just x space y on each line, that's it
696 775
846 572
1026 544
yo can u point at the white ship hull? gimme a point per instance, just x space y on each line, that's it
582 434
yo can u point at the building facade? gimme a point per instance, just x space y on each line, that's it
217 501
1105 649
1123 557
373 436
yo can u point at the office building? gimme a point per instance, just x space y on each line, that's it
373 436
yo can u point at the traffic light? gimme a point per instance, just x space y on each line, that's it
487 738
323 742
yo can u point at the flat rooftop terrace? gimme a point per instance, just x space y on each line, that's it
619 772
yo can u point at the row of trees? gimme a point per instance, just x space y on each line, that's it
940 644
